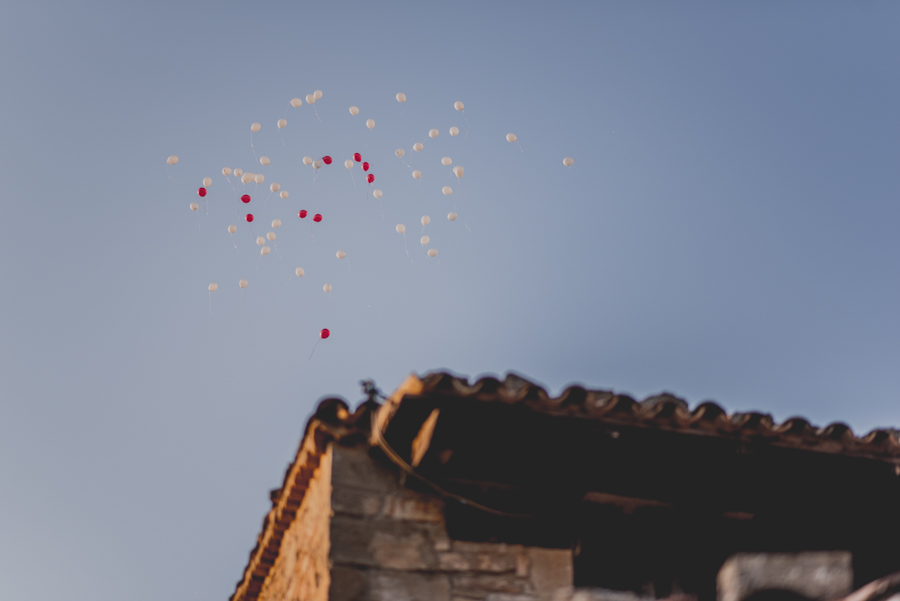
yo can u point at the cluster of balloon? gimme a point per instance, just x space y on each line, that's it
247 178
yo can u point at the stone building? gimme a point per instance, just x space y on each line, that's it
494 491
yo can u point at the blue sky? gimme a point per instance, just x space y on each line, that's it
727 232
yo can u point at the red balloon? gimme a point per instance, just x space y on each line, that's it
326 160
365 166
317 218
249 217
245 198
357 157
370 178
325 333
201 192
302 214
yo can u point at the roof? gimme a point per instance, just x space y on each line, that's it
662 412
333 421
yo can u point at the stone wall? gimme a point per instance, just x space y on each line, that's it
390 544
300 573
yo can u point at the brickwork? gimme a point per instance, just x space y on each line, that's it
390 544
301 572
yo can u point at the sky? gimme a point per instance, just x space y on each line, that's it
727 232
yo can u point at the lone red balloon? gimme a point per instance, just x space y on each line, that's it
365 166
302 214
201 192
370 178
245 198
317 218
326 160
357 157
325 333
249 217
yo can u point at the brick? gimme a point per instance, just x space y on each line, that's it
347 584
473 561
352 467
417 508
473 584
551 571
382 543
406 586
356 501
816 575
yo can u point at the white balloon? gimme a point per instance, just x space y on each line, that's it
432 252
213 287
265 250
317 94
454 131
401 97
458 171
299 271
377 193
260 241
458 105
433 133
354 111
284 194
400 152
255 127
310 99
327 287
348 163
317 164
276 223
401 229
232 229
275 187
425 240
341 254
260 178
418 146
447 190
446 161
226 171
307 160
247 178
417 174
452 216
510 137
194 206
568 161
264 160
242 283
426 219
295 102
238 172
281 123
370 123
271 236
172 160
207 181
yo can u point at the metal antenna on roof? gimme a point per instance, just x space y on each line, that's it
371 390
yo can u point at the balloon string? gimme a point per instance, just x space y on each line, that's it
233 242
314 349
406 248
352 178
277 251
520 148
210 303
280 136
251 147
317 113
468 125
367 141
